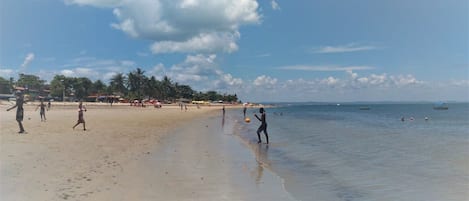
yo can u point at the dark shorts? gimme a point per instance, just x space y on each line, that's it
19 115
263 127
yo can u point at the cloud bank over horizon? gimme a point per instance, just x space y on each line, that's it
203 72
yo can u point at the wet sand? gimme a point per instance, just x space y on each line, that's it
127 153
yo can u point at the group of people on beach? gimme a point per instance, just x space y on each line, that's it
42 112
82 108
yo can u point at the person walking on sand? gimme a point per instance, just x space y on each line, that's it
19 110
263 126
42 112
48 105
81 108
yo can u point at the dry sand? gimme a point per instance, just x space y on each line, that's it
119 157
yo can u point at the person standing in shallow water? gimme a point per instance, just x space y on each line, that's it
244 111
42 112
263 126
81 108
19 111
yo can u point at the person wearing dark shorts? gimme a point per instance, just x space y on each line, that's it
263 126
19 110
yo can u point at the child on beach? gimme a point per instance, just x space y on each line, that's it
81 108
263 126
42 112
19 110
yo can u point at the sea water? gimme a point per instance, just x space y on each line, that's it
329 152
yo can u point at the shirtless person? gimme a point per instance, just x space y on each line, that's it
263 126
81 108
42 112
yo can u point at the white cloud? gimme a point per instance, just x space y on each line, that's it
460 83
213 42
377 79
330 81
351 87
67 73
200 72
230 80
326 68
100 64
108 75
274 5
27 60
6 73
182 26
85 72
344 48
94 69
363 80
82 72
159 71
265 81
352 74
402 80
96 3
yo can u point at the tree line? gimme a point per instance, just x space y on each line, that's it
131 86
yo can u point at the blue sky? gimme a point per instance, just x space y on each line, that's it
265 50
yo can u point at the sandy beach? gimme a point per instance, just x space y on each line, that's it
127 153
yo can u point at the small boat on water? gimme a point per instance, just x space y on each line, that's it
440 106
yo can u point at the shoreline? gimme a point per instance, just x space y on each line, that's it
204 160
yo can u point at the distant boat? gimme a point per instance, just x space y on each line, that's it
440 106
364 108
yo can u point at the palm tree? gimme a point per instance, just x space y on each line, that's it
167 88
118 84
98 87
153 88
136 81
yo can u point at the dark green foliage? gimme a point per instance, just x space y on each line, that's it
5 86
134 85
